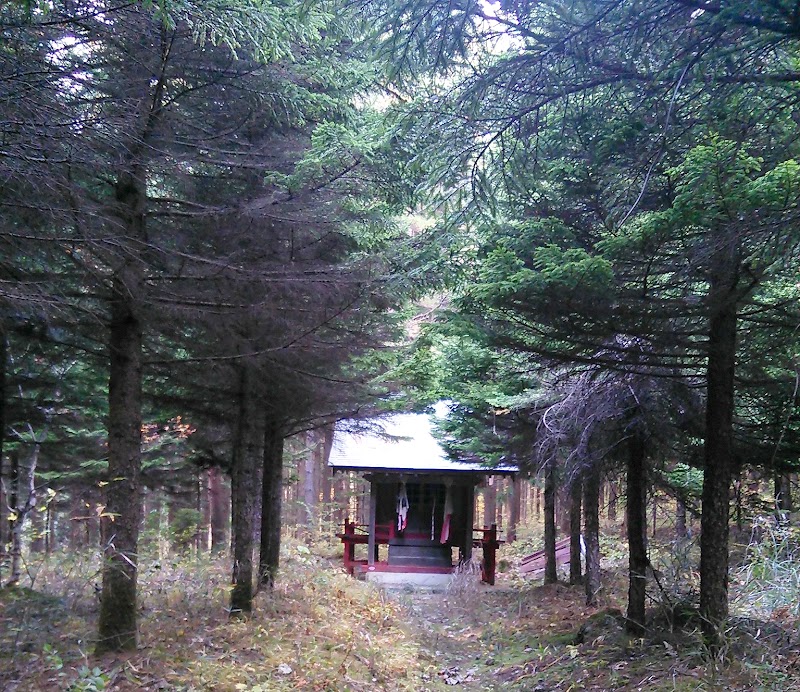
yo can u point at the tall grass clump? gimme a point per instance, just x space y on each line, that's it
768 582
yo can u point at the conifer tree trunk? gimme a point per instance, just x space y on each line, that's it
218 511
591 533
38 530
244 468
50 531
13 518
524 500
783 494
636 520
613 494
117 629
575 492
550 570
718 447
310 488
514 490
680 518
563 504
272 495
324 475
118 613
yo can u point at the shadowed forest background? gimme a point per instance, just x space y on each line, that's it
228 227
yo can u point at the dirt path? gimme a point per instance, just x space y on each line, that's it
498 638
452 629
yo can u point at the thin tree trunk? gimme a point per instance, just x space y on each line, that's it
50 533
563 503
514 500
38 531
271 493
298 513
550 570
246 453
204 535
14 522
200 538
783 494
613 495
591 531
218 510
524 500
637 535
325 477
575 492
655 513
310 488
339 495
680 518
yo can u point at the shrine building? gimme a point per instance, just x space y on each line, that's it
421 504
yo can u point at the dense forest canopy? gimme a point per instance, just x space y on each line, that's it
227 224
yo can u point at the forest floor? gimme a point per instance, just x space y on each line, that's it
322 630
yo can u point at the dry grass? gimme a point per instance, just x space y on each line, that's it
321 630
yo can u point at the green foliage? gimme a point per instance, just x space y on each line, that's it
90 680
687 480
184 526
275 29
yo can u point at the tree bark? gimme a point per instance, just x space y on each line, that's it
575 492
271 494
325 476
50 532
636 520
524 500
244 468
654 516
38 531
718 441
550 568
514 504
310 487
680 518
117 630
591 533
613 494
219 511
14 519
563 503
783 494
123 511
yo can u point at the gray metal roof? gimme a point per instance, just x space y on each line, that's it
406 444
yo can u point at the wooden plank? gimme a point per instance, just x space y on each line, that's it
539 553
535 562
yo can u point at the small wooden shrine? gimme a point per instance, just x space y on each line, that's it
421 503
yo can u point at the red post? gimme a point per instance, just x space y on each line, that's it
489 543
349 545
